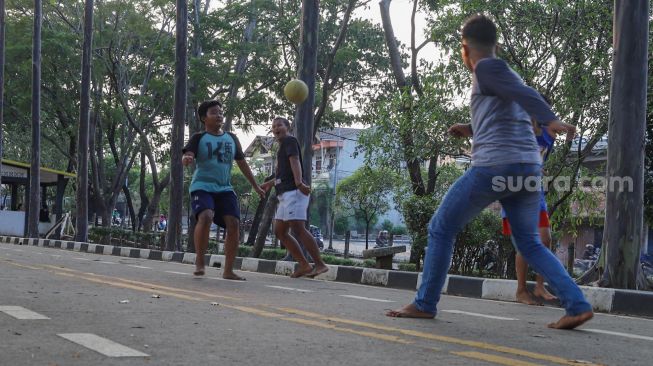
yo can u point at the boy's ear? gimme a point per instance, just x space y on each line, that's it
465 49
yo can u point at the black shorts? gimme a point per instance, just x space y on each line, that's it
222 204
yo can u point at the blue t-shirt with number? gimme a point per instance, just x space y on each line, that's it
214 157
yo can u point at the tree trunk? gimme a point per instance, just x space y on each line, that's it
190 246
266 222
145 201
412 164
367 235
35 178
239 70
173 237
624 225
81 229
327 83
256 221
154 204
130 206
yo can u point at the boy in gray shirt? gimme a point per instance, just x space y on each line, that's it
506 166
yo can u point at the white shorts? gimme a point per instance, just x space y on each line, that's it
292 206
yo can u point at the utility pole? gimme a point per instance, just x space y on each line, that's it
333 201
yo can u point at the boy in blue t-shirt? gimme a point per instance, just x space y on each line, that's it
545 142
212 196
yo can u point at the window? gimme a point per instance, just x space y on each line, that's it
332 161
268 167
318 164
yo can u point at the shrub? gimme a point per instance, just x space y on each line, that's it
410 267
118 236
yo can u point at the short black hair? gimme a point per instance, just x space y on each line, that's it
284 120
205 105
480 32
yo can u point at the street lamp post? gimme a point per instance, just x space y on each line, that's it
333 201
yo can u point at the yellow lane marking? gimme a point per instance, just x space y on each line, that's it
250 310
152 286
414 333
494 359
131 287
9 261
314 323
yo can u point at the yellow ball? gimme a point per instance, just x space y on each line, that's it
296 91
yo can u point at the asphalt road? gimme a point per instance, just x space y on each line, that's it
59 307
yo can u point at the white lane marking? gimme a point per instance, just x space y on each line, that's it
55 255
288 288
626 335
106 262
366 298
102 345
181 273
39 253
18 250
81 259
20 312
135 266
477 314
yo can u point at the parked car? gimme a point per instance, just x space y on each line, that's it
317 234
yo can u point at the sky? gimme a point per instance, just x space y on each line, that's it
400 12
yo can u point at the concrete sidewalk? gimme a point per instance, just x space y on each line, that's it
617 301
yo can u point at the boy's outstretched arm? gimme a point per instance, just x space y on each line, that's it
247 172
496 78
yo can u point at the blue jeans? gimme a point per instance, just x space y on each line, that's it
466 198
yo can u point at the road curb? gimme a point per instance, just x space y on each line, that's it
629 302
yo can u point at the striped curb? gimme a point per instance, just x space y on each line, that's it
629 302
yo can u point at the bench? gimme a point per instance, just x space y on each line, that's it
383 255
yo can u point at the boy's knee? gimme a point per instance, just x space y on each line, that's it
231 224
205 217
280 232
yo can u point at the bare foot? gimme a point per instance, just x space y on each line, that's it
409 311
199 271
541 292
525 297
302 271
318 270
571 322
232 276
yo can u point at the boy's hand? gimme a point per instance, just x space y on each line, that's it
259 190
267 185
461 130
187 159
556 127
306 190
